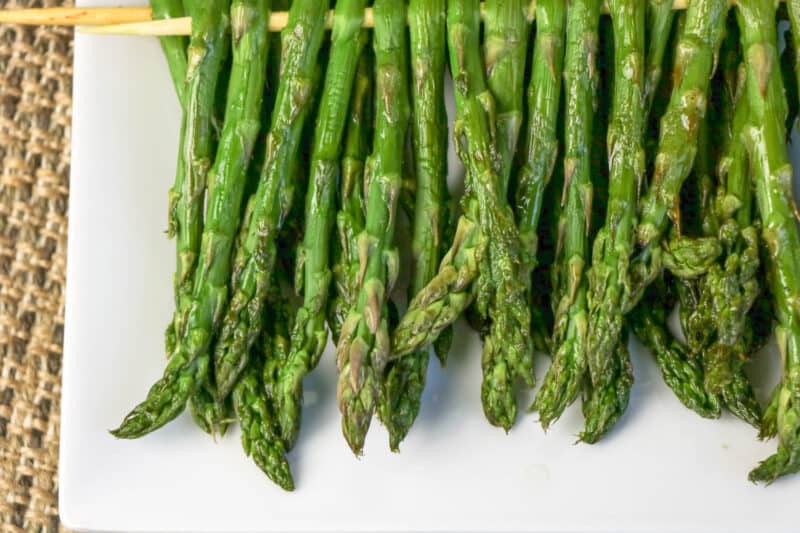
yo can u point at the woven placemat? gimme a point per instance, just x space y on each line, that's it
35 107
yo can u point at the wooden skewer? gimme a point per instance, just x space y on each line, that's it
76 16
179 26
138 20
183 26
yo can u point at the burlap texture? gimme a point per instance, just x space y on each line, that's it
35 106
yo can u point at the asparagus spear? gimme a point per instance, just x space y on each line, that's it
210 415
174 46
733 284
604 405
544 93
208 409
313 275
565 376
405 378
276 345
254 408
659 21
506 30
699 218
765 141
505 46
364 345
697 49
350 218
207 54
486 227
450 292
255 260
188 366
721 300
682 372
507 351
609 281
255 394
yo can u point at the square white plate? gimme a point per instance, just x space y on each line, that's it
662 469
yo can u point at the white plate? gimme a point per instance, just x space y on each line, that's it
662 469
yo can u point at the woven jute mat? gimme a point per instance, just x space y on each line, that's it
35 107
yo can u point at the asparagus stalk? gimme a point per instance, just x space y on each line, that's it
276 345
210 414
189 364
486 227
207 54
697 49
682 372
271 349
450 292
659 21
259 438
505 46
609 281
313 276
405 378
174 46
717 305
765 141
506 30
565 376
700 218
507 352
544 93
733 284
255 260
253 400
364 345
350 217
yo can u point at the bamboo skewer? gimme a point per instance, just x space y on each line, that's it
183 26
177 26
76 16
138 20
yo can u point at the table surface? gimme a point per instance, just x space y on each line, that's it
35 117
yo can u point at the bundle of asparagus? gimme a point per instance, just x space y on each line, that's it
646 212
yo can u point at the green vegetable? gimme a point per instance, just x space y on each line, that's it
364 344
682 372
565 376
609 278
207 54
260 429
507 351
659 21
350 217
696 51
255 259
405 378
189 363
173 46
772 172
313 275
505 46
733 285
541 144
